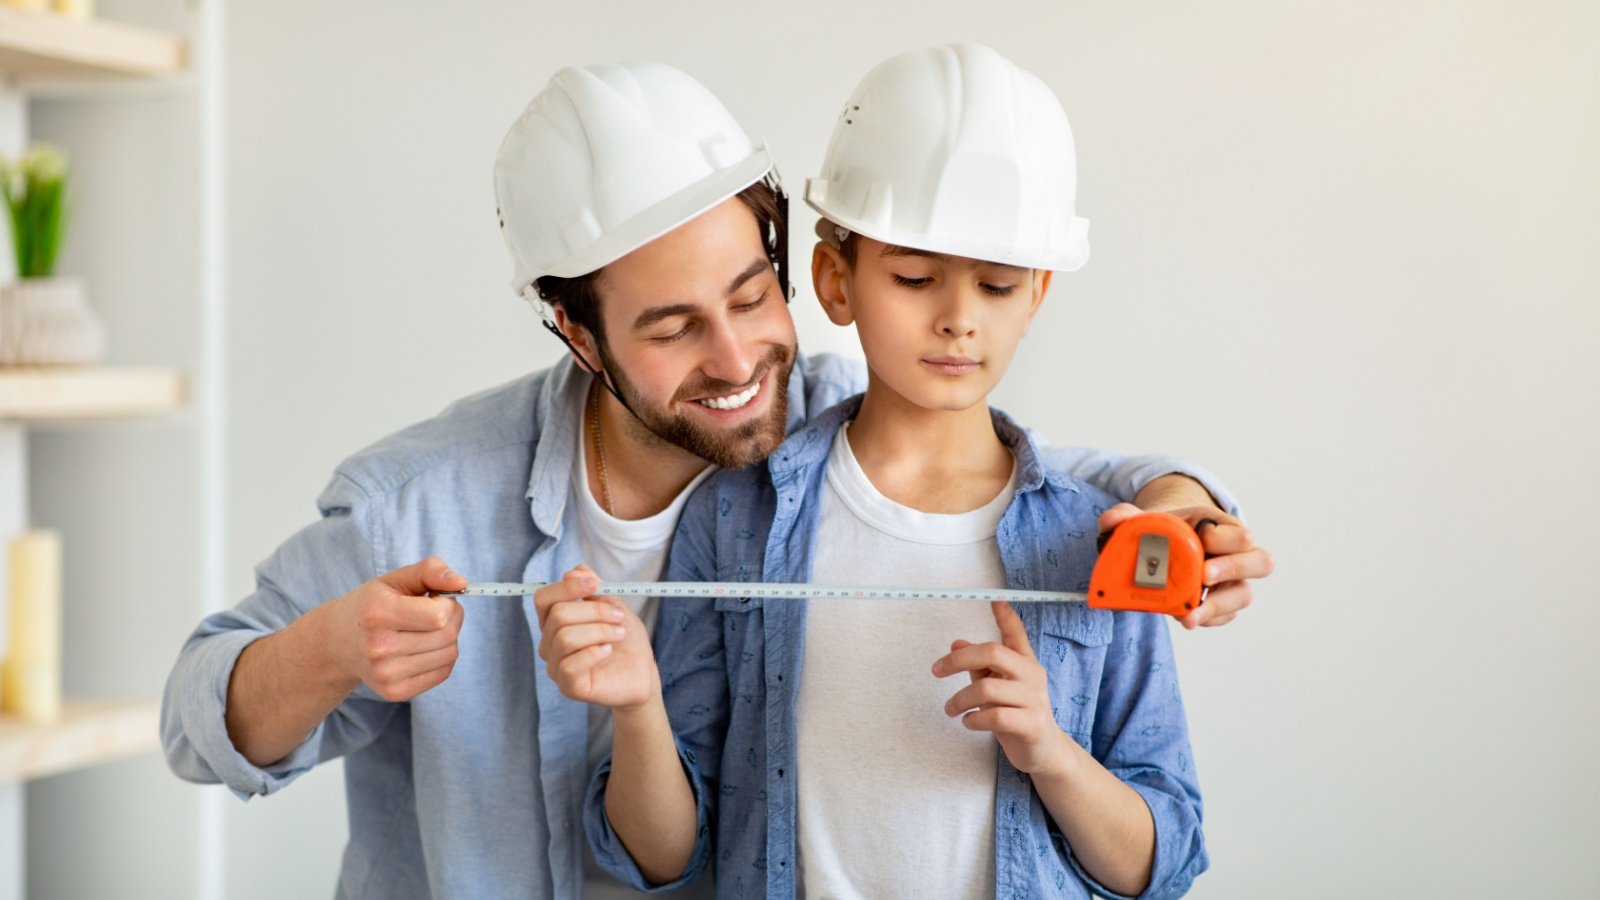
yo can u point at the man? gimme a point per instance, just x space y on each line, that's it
634 204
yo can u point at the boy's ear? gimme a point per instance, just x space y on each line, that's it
830 279
1041 286
583 343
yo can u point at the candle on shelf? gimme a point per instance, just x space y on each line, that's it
75 9
30 685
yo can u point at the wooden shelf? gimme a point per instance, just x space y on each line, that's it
36 46
88 733
88 393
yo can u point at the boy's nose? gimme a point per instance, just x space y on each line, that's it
959 317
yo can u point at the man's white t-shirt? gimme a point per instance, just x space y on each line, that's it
622 550
895 799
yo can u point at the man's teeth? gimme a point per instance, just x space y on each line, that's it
735 401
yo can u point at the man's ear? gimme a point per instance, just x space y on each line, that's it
1041 286
830 279
583 343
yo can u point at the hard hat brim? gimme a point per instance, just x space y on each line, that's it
1070 257
655 221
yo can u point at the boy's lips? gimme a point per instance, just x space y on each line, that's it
952 365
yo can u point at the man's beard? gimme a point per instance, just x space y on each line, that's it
730 448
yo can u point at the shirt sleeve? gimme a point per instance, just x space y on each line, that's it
1141 735
1123 477
689 652
323 561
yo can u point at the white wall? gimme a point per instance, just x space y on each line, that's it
1344 253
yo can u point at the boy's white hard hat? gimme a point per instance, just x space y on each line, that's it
610 157
955 150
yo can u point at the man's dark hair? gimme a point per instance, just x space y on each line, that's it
580 297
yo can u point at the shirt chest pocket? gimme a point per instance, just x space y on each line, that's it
1073 641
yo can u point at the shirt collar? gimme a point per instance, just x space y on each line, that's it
555 412
809 447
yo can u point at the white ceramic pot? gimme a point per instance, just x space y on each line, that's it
47 321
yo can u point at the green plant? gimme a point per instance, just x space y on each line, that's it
35 187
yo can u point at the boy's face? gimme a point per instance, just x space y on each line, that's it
939 331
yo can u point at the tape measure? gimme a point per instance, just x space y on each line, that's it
1151 562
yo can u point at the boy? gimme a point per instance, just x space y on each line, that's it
807 748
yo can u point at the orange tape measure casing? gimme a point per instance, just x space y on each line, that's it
1138 551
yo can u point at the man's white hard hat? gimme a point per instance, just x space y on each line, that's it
955 150
610 157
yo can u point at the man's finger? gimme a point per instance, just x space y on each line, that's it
1221 538
1223 600
393 671
431 574
1255 563
413 613
1116 515
1012 632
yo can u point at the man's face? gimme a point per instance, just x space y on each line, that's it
698 337
937 330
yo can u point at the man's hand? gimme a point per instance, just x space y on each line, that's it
394 638
1232 561
595 649
1009 694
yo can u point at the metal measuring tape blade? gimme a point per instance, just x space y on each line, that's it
1151 562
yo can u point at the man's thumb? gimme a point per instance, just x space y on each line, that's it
431 574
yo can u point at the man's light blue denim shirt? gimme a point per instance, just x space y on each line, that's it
475 788
730 670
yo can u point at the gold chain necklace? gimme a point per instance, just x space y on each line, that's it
599 445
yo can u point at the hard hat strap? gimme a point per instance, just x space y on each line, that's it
778 250
545 319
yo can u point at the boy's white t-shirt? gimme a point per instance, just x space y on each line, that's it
895 799
622 550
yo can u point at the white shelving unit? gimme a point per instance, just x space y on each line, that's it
39 50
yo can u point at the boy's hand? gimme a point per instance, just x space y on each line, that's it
1232 558
596 650
1009 694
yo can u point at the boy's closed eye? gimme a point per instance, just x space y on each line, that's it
994 288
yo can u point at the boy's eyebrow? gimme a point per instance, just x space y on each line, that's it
657 313
891 251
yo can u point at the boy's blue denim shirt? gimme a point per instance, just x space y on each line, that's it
730 670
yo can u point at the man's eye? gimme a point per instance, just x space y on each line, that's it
753 304
912 282
999 290
669 338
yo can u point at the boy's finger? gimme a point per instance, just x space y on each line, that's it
575 585
991 658
574 638
987 692
1012 632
